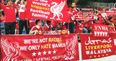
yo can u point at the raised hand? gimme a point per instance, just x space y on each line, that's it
17 1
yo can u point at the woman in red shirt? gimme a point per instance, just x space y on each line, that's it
10 16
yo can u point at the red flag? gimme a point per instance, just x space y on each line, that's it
39 48
100 30
113 36
47 10
96 47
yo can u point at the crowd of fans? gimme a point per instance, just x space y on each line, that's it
10 11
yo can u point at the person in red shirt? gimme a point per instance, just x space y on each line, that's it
87 26
79 27
10 16
47 26
101 19
22 22
37 29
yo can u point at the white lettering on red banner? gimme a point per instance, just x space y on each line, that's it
39 48
113 36
47 9
100 30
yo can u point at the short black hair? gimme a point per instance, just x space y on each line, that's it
36 21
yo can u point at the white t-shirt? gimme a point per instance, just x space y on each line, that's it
21 7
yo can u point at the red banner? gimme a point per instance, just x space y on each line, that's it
96 47
56 32
47 10
39 48
100 30
83 15
113 35
110 13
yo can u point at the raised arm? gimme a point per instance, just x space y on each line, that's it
22 1
16 1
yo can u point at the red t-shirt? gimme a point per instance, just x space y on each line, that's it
46 28
72 13
88 24
22 15
10 15
111 29
22 11
79 28
101 20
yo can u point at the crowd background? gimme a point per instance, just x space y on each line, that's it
13 21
